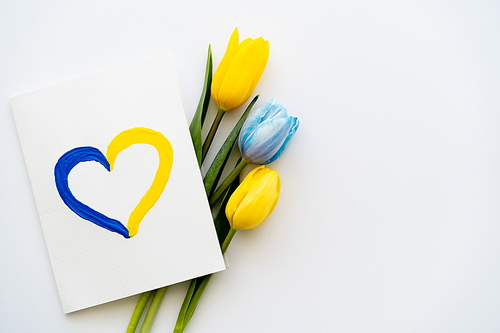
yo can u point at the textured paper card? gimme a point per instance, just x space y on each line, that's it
116 183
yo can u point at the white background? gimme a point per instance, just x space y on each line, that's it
388 219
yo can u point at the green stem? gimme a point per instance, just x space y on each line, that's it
201 288
229 179
182 313
228 239
153 309
196 298
139 308
213 174
211 134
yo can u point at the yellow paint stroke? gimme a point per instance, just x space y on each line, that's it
144 135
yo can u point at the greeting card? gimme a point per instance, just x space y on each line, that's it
116 183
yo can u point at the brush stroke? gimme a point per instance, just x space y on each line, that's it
166 154
121 142
61 172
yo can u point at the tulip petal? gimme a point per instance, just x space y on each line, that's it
285 144
276 111
254 119
278 189
259 202
239 194
240 75
243 43
224 65
261 70
265 141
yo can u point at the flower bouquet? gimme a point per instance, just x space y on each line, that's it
262 134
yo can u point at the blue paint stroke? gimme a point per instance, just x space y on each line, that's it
61 171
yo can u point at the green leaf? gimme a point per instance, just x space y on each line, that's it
221 222
215 170
198 285
201 110
196 289
201 285
214 197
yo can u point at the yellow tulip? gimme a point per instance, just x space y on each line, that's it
254 200
239 71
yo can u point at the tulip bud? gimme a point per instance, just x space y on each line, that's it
239 71
254 200
266 133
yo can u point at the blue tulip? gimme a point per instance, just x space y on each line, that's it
266 133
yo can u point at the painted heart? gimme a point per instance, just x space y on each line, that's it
121 142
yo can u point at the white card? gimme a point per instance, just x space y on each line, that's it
133 115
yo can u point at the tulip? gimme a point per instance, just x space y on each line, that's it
264 136
254 199
236 77
239 71
266 133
